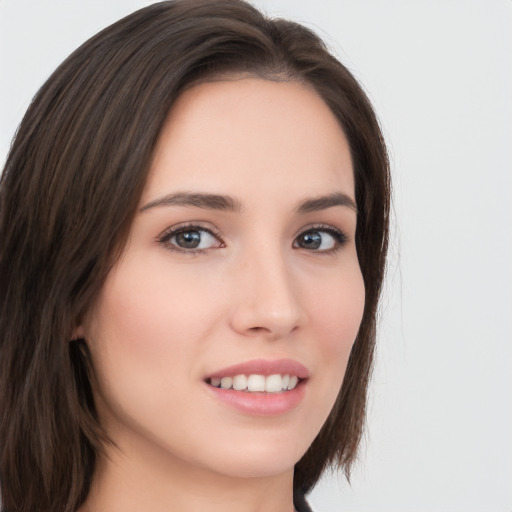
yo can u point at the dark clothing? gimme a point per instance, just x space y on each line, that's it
300 503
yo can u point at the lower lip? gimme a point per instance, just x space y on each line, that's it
261 404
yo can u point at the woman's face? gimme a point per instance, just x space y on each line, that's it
241 265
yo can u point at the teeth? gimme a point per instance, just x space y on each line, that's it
293 382
257 383
226 382
239 382
274 383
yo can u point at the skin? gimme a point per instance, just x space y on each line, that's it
165 318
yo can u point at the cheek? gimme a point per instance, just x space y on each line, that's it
338 310
150 309
336 315
146 333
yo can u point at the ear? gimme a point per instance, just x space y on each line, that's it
78 333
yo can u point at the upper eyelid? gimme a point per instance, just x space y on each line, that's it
323 227
209 228
188 226
165 237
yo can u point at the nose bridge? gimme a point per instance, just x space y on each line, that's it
267 298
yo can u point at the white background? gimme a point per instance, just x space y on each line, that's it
440 76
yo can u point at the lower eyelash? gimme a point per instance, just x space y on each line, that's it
341 238
171 232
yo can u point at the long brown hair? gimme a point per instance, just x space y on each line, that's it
69 192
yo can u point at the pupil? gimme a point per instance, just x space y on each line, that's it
188 239
312 240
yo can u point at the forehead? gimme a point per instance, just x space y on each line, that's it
251 135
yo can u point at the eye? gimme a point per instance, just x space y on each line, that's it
321 239
191 239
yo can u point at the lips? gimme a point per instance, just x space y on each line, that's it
260 387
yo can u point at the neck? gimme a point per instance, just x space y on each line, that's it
152 482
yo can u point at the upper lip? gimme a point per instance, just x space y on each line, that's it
263 367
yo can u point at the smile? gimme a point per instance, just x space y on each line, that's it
260 387
276 383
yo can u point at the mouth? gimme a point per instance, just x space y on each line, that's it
256 383
260 387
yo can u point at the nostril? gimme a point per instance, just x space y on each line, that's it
258 329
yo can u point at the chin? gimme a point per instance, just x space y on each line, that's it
256 467
256 457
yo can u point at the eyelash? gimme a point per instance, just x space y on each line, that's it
340 238
184 228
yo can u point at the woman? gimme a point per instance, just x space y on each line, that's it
194 219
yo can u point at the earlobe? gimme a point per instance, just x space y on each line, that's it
78 333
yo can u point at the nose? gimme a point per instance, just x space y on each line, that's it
268 301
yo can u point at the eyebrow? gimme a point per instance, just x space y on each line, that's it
323 202
230 204
197 200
